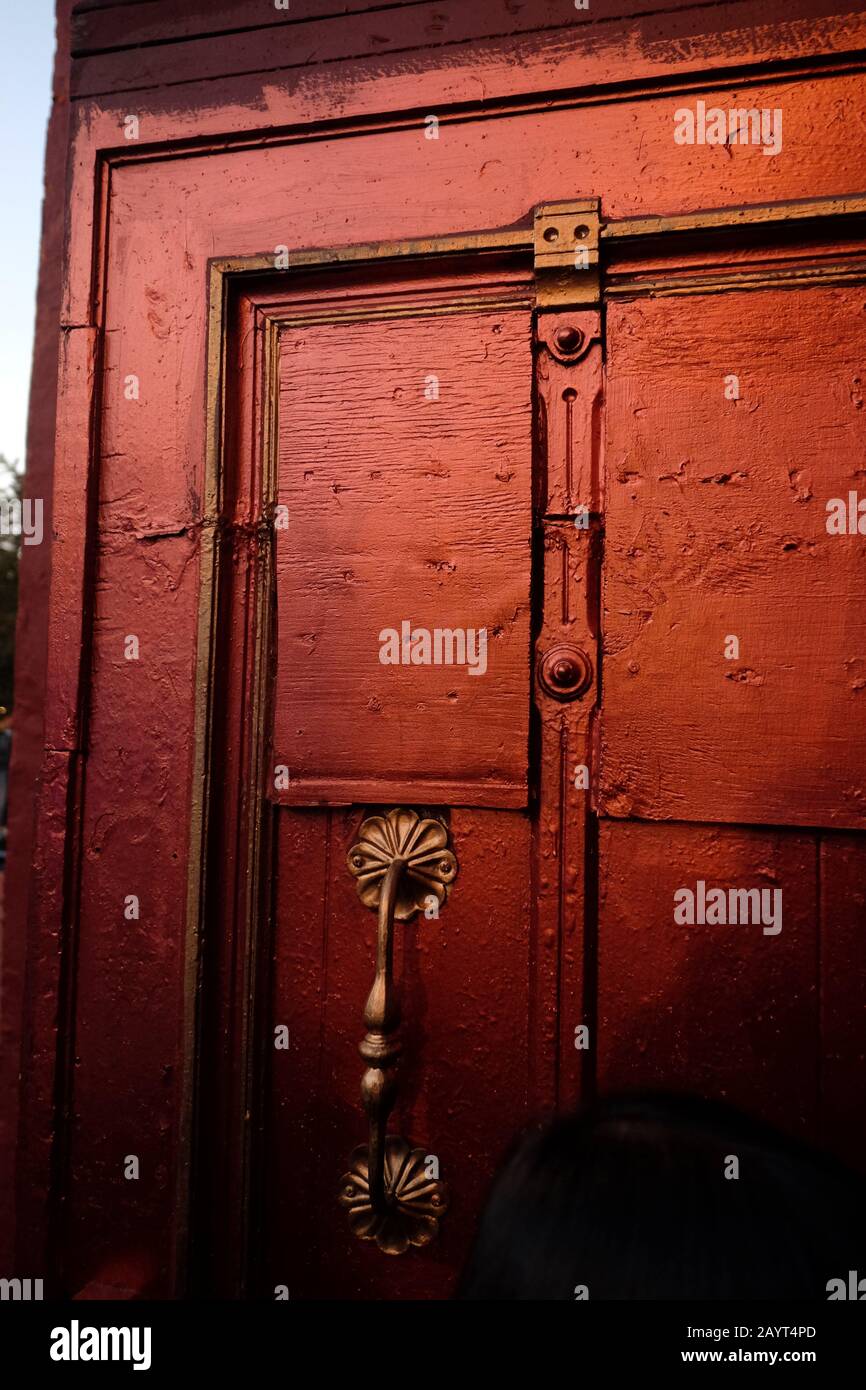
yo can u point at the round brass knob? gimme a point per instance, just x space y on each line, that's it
565 672
568 339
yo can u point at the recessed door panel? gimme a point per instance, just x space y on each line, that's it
463 1075
713 1008
732 731
735 622
403 561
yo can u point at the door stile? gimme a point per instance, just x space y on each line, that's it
569 535
227 1006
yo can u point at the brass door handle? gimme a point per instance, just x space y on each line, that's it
401 861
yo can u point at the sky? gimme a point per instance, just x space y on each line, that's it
26 55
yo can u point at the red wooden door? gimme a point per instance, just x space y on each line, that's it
611 452
391 475
527 572
388 524
732 726
627 453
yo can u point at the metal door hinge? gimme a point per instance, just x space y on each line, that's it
566 254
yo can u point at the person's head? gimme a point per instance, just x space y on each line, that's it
665 1197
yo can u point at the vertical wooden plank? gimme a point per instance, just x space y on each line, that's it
34 579
72 524
842 964
568 560
125 1023
44 1040
49 979
297 1089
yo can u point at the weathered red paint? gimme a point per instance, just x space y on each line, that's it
27 756
387 464
256 134
715 526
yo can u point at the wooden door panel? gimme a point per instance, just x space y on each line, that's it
716 528
463 1076
724 1011
732 420
842 994
402 572
577 924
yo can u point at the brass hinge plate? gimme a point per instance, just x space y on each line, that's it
566 254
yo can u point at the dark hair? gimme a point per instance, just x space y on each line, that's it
630 1199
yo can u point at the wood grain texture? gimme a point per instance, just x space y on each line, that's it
73 489
567 559
127 1011
570 425
168 218
719 1011
149 46
716 528
404 509
354 25
462 1078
